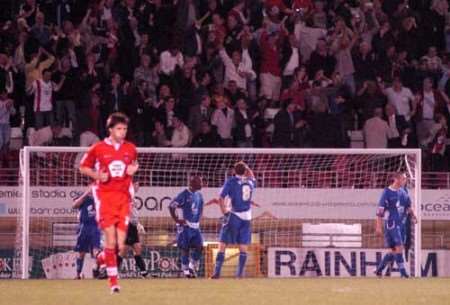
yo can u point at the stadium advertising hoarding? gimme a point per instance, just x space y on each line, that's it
281 203
161 262
345 262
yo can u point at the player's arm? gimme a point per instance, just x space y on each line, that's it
134 166
255 204
87 165
212 201
176 203
380 214
249 173
413 215
223 205
77 203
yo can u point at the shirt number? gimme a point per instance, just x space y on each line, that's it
246 192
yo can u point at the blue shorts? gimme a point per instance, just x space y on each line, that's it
235 230
394 237
188 238
88 239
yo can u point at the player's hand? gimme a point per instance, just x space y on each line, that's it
255 204
102 176
132 168
414 219
181 222
140 228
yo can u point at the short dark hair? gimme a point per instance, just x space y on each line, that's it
240 168
116 118
395 176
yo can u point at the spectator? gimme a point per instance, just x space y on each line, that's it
159 135
237 68
181 136
401 98
206 137
244 133
223 119
40 31
67 98
270 76
376 131
200 113
148 74
170 60
43 99
399 129
430 103
286 122
6 111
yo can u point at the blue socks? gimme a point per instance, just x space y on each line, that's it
386 260
184 261
80 262
241 266
400 262
219 262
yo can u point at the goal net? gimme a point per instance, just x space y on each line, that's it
315 214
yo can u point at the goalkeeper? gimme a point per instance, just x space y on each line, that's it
132 240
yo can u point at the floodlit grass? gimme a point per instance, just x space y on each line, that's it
228 291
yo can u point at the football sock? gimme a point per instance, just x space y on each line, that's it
139 262
80 262
241 266
111 266
184 261
219 262
400 263
388 257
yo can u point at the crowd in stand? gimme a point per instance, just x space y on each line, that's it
242 73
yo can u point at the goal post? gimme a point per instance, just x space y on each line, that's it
298 190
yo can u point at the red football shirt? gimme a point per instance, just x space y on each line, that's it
113 159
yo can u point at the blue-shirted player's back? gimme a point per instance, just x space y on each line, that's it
240 191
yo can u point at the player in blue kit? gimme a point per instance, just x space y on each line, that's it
236 228
88 240
189 236
394 208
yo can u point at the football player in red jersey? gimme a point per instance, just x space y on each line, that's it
112 163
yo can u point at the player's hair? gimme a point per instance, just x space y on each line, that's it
240 168
116 118
394 176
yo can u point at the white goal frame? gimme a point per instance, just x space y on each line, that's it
25 176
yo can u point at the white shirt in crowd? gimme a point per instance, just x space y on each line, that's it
376 133
232 72
224 123
169 62
400 100
393 130
428 105
180 137
292 64
43 93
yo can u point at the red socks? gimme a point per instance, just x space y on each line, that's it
111 266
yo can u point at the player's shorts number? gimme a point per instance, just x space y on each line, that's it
246 192
117 168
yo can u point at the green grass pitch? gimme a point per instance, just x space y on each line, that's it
228 291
